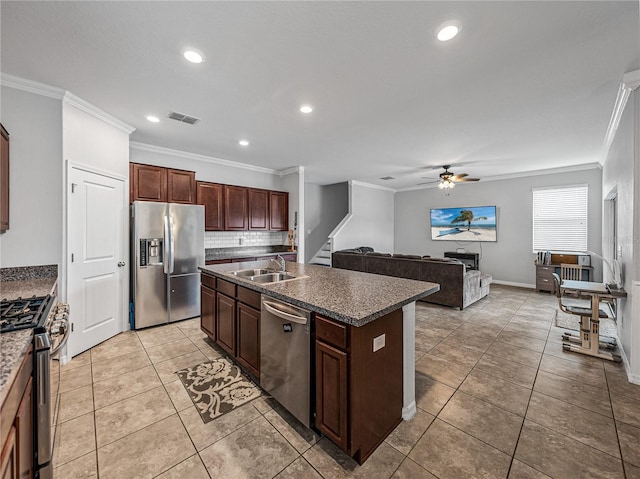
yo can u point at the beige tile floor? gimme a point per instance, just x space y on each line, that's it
497 397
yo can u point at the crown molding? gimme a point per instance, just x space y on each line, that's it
630 81
292 170
525 174
19 83
369 185
94 111
198 157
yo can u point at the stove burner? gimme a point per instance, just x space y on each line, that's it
22 313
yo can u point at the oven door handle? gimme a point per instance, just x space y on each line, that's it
63 341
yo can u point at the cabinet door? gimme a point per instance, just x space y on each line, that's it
210 195
181 187
249 338
235 208
258 209
24 433
331 393
225 323
278 211
149 183
208 311
8 458
4 179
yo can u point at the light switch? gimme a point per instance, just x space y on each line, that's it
378 343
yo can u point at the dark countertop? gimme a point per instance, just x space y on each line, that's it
348 296
212 254
20 282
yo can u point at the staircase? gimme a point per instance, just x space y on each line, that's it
323 256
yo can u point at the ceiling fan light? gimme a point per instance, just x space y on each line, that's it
441 185
451 184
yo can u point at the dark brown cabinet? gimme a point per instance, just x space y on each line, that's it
226 323
230 315
4 179
148 183
249 338
236 208
208 310
331 393
155 183
211 196
258 209
181 187
358 382
16 424
278 211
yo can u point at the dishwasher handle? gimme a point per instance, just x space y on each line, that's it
271 307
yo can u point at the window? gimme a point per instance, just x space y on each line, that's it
560 218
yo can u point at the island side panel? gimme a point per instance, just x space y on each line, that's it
376 379
409 359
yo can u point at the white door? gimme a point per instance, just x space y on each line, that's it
97 232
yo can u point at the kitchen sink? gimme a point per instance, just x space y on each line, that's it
271 277
251 272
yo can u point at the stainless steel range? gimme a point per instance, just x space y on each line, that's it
50 321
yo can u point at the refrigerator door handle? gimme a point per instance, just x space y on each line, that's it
171 246
166 252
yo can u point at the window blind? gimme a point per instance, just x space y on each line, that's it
560 218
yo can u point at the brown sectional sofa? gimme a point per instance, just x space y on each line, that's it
458 288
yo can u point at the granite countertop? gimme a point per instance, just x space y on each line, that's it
20 282
212 254
348 296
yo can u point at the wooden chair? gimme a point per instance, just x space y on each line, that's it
571 272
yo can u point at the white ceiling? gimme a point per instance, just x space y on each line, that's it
525 85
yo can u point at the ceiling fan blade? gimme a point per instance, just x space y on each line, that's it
460 176
462 180
429 182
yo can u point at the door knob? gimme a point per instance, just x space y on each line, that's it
121 264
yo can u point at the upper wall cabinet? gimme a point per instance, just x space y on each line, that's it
155 183
4 180
278 211
148 183
211 196
258 209
236 208
181 186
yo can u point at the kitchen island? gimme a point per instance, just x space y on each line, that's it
363 326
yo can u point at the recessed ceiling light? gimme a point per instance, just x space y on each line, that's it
306 108
447 32
194 56
243 143
152 119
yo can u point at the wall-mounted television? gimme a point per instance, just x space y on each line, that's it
475 223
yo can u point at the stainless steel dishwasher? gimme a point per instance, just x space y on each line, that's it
285 356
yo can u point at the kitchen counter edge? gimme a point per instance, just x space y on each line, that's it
221 271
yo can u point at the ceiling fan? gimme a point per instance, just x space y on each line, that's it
448 179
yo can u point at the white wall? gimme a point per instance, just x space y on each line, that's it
207 168
372 219
293 182
325 206
35 230
510 259
620 173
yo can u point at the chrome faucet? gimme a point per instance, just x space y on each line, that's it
281 264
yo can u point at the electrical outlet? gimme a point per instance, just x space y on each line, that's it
379 342
619 252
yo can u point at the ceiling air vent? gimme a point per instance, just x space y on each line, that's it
191 120
388 178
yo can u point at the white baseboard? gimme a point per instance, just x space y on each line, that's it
512 283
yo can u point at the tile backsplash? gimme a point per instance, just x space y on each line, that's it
226 239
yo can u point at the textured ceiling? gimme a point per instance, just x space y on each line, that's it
525 85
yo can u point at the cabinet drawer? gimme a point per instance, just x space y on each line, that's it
331 332
250 297
208 281
226 287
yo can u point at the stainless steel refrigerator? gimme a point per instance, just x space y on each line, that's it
167 248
